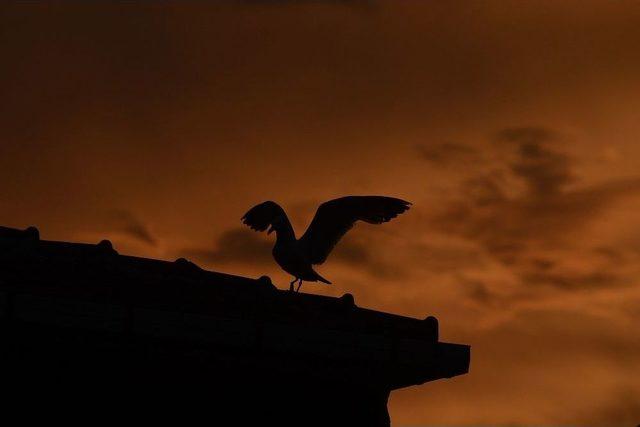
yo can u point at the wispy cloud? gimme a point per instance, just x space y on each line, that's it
125 222
528 214
446 153
237 245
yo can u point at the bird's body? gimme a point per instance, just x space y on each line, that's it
332 220
291 259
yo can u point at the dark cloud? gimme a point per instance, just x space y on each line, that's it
485 189
237 245
363 249
529 229
571 281
526 134
610 253
125 222
353 252
479 292
543 168
447 153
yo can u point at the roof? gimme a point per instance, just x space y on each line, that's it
94 288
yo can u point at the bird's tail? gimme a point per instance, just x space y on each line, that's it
322 279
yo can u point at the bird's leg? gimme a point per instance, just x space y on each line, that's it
299 284
295 279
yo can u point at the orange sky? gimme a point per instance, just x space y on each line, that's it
510 125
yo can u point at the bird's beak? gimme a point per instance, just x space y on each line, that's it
270 230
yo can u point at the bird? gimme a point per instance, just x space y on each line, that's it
333 219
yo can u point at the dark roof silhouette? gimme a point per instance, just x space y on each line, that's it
96 317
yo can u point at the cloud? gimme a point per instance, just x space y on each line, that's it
571 280
526 134
366 252
125 222
237 245
447 153
544 170
527 217
478 291
352 251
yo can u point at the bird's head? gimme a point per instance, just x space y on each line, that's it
265 215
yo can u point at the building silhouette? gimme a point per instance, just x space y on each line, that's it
89 334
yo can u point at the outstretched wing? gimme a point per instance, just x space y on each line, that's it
261 216
335 217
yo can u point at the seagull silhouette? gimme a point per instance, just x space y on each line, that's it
332 221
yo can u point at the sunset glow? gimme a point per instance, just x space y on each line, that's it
511 126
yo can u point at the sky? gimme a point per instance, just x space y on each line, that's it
511 126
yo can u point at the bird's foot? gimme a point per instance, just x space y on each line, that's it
292 283
299 285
